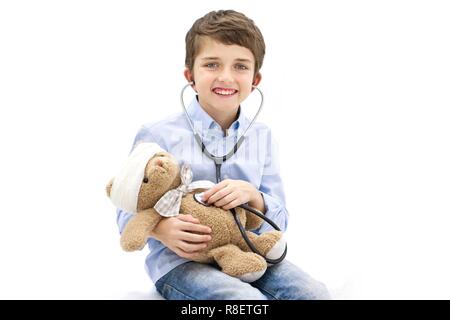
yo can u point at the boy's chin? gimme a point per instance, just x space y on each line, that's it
224 98
223 104
227 106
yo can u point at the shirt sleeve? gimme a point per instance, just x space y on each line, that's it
122 219
144 135
272 189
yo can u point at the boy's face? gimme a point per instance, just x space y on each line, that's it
223 75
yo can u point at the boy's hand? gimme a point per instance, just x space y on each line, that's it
182 234
231 193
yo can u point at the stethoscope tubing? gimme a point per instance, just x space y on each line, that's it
219 160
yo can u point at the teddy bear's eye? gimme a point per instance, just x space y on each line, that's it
145 180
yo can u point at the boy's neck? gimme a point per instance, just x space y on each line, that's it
223 119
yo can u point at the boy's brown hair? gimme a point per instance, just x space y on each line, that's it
228 27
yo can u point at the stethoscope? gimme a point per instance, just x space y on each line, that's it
218 161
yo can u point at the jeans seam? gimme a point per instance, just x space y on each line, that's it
262 289
177 290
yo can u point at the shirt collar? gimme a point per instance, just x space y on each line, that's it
203 121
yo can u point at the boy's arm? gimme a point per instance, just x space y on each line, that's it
272 190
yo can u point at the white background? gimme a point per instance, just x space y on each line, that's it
357 94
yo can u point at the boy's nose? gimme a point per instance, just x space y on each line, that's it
225 76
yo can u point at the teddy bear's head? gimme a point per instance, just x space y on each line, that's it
144 178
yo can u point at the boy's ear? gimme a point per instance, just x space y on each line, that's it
189 76
256 79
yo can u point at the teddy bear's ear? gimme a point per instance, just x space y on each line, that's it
108 187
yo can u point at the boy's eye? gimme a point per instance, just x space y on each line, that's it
212 65
241 67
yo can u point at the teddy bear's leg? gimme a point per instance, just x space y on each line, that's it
136 232
270 244
247 266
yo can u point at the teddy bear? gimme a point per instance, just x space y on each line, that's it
153 186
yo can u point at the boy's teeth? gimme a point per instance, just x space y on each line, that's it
224 92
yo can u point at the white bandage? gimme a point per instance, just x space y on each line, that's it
128 181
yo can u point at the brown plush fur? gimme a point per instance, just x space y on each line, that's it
227 246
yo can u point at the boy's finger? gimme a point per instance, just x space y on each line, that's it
198 228
219 195
188 218
213 190
188 251
196 238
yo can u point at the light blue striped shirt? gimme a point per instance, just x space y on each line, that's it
256 161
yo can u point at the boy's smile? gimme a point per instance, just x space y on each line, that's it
223 76
224 92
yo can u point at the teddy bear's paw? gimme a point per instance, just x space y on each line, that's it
277 250
252 276
247 266
256 266
132 245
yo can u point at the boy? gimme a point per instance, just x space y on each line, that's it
224 52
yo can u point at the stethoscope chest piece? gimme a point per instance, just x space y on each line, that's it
198 198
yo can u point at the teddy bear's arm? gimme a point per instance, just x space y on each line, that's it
138 229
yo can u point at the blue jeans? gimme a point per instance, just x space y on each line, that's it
196 281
